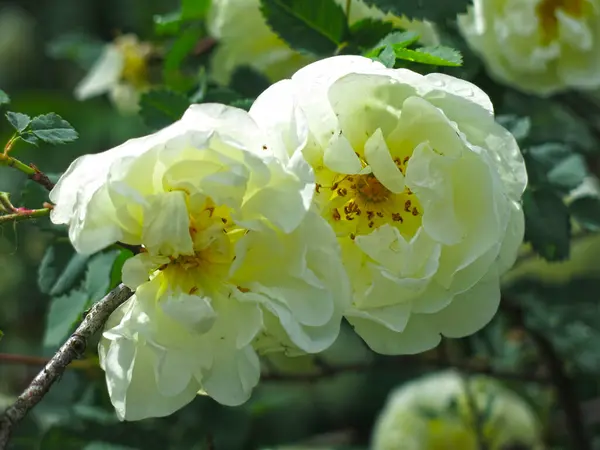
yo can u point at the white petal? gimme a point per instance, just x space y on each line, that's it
340 157
192 311
381 162
105 73
136 271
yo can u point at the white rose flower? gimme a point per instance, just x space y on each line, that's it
233 258
537 46
434 412
121 72
421 186
232 21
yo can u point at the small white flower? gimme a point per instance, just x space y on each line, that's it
421 186
538 46
233 259
435 412
120 72
232 21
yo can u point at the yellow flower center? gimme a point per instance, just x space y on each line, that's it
357 204
135 67
546 11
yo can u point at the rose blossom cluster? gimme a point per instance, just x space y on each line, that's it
350 192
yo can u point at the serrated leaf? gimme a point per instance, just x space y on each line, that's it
162 107
313 26
434 10
97 277
547 224
366 33
4 98
387 57
30 138
19 121
53 129
586 211
194 9
63 314
399 39
437 56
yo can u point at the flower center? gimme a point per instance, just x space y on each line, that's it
546 11
357 204
135 65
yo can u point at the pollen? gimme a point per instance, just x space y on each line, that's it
546 12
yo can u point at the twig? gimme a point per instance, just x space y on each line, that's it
561 381
24 214
71 350
31 171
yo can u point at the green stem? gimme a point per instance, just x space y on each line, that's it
9 161
348 7
24 214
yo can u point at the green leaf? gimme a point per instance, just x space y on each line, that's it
60 269
80 48
248 82
586 211
4 98
518 126
1 334
313 26
97 445
181 48
98 276
167 24
117 268
194 9
547 224
242 103
366 33
437 56
53 129
162 107
19 121
399 39
387 57
434 10
63 314
569 173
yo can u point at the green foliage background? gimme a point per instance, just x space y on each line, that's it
332 401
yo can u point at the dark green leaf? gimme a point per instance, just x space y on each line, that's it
437 56
105 446
243 103
30 138
194 9
1 334
63 314
547 224
115 273
586 211
19 121
167 24
366 33
569 173
221 94
53 129
98 275
434 10
387 57
248 82
162 107
4 98
60 269
518 126
313 26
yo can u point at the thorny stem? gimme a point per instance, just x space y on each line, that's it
71 350
31 171
24 214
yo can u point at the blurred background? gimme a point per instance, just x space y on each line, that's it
550 328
